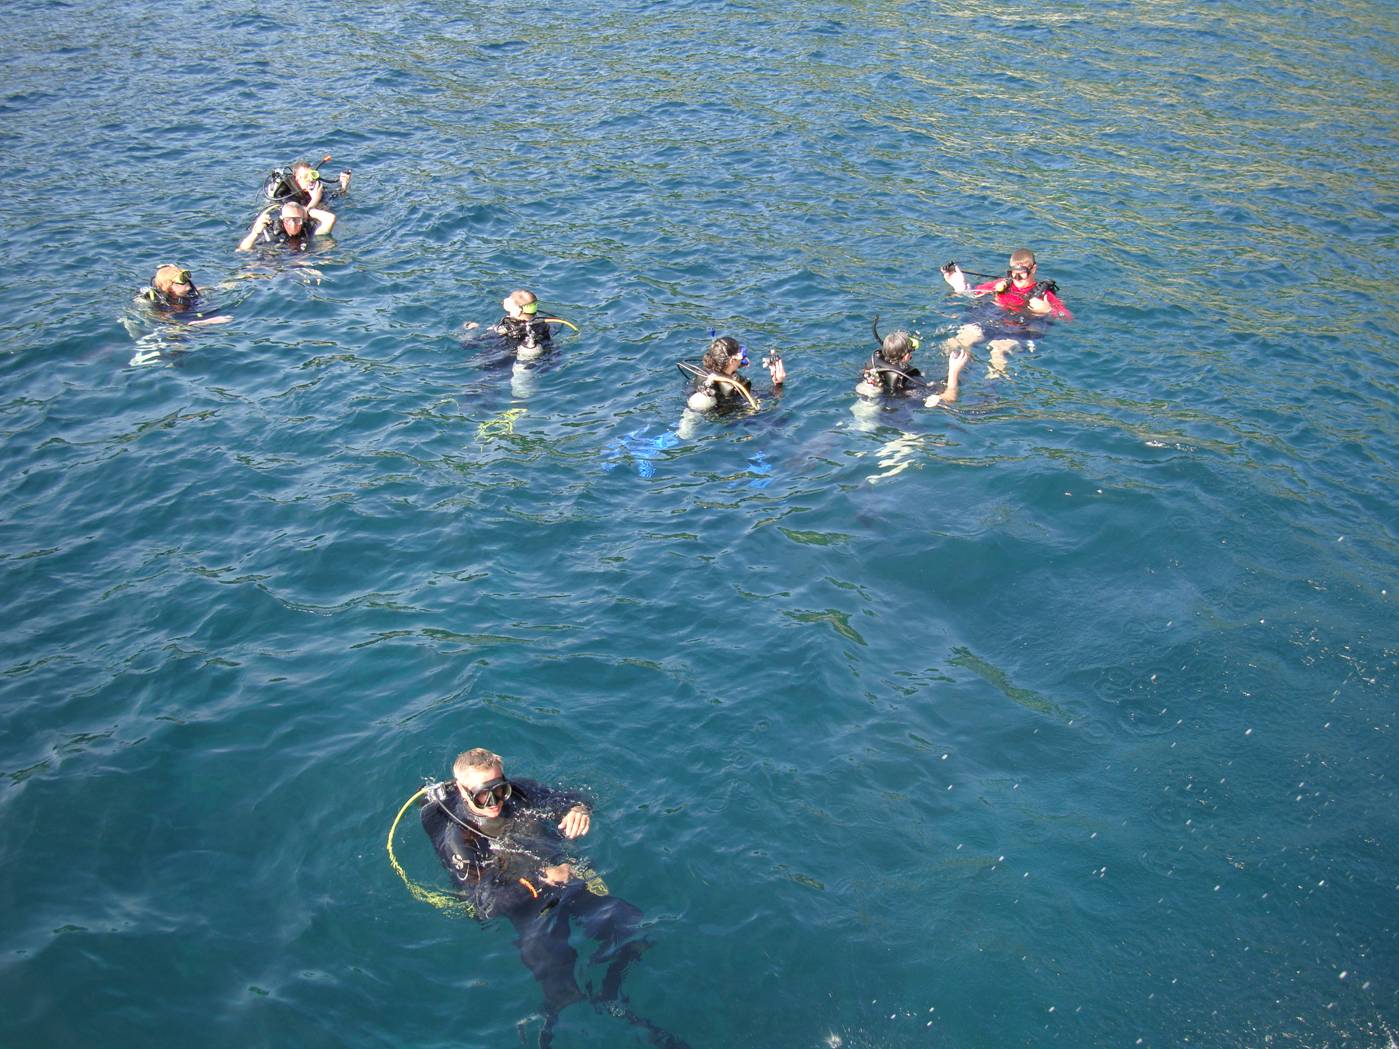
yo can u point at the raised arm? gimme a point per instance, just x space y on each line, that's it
324 220
259 224
956 361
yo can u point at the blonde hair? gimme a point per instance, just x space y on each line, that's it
165 277
477 758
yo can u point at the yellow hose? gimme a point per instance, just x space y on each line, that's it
711 376
441 900
560 320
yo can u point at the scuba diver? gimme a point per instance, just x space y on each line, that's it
522 329
301 183
173 295
502 840
292 227
889 372
1024 301
717 384
174 302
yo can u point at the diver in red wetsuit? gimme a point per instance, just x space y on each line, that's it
1020 294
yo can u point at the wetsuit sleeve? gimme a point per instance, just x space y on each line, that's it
1057 304
988 286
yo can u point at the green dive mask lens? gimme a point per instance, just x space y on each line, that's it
314 175
530 308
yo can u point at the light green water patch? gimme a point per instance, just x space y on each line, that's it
1027 698
783 871
839 620
815 538
20 775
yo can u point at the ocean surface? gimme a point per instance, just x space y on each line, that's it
1065 717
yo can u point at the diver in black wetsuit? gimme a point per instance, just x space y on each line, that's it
173 296
295 226
717 384
300 183
522 324
502 840
889 371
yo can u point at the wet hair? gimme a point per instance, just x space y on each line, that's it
896 345
720 352
1022 257
477 758
292 210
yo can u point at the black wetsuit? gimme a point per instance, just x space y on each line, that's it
488 859
191 308
276 233
524 331
893 380
726 396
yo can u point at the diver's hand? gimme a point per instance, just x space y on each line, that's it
345 180
956 279
556 875
1038 305
471 325
776 368
1002 285
576 822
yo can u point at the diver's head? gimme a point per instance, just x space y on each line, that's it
174 283
293 219
897 347
520 304
724 356
305 175
480 778
1022 267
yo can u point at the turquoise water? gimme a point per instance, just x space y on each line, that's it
1063 718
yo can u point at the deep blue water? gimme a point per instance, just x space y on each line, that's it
1063 718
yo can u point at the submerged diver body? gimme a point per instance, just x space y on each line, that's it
173 296
1023 306
889 372
173 301
502 841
